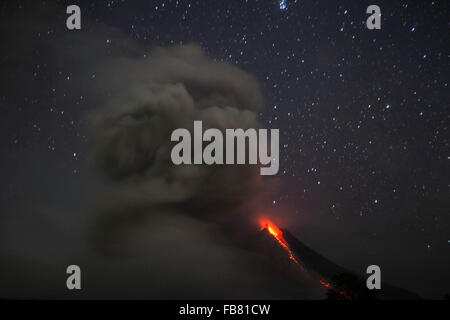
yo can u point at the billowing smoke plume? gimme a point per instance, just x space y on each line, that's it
129 138
137 225
190 224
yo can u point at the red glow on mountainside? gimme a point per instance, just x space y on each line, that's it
341 292
277 234
325 284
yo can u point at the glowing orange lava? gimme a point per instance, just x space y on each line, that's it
325 284
341 292
277 234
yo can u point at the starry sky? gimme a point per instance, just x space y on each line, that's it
363 115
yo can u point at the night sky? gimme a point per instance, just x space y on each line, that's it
363 115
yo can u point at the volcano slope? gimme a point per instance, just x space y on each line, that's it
340 283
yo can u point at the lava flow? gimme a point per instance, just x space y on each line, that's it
277 234
325 284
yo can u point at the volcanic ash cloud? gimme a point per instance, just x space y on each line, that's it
171 218
129 137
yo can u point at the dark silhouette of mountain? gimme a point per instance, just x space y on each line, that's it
339 278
